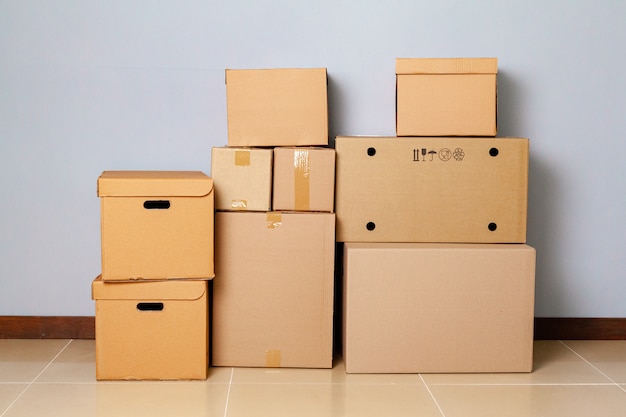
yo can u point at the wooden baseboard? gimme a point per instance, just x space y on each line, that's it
546 328
44 327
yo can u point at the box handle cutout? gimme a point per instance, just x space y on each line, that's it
492 227
156 204
371 151
370 226
150 306
494 152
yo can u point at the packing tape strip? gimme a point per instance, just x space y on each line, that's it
272 358
239 204
274 219
242 157
301 174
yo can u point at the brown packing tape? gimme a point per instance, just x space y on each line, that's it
272 358
301 173
242 157
274 219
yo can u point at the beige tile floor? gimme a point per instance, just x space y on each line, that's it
571 378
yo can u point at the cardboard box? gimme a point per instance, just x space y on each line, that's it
242 178
156 225
463 190
273 290
304 179
422 308
446 96
277 107
151 330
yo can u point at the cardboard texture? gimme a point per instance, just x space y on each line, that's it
304 179
471 190
436 308
277 107
446 96
273 290
151 330
156 225
242 178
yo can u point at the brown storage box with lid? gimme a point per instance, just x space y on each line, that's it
151 330
156 225
446 96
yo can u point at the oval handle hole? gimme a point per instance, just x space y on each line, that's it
150 306
156 204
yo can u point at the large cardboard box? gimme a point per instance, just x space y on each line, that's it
273 290
446 96
422 308
304 179
471 190
151 330
242 178
277 107
156 225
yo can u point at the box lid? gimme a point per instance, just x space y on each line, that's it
153 290
154 184
446 66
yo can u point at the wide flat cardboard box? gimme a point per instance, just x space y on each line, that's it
436 308
151 330
242 178
277 107
455 190
446 96
304 179
273 290
156 225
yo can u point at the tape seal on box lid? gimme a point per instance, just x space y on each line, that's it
273 219
239 204
301 173
242 157
272 358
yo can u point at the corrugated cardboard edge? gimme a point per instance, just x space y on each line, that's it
154 184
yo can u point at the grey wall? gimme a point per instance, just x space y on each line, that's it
92 85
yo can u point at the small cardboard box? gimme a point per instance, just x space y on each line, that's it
273 291
463 190
151 330
156 225
277 107
446 96
242 178
304 179
440 308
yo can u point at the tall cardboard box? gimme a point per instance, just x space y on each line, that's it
456 190
242 178
277 107
304 179
435 308
446 96
151 330
273 290
156 225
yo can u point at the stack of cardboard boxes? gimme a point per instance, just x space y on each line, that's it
152 298
275 222
436 275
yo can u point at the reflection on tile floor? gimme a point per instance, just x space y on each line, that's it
571 378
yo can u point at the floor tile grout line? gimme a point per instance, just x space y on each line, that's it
431 395
33 381
590 364
230 384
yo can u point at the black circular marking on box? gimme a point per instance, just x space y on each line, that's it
370 226
492 227
150 306
371 151
494 151
156 204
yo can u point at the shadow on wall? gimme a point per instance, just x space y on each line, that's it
543 196
336 116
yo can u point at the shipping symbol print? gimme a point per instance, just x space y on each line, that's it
444 154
